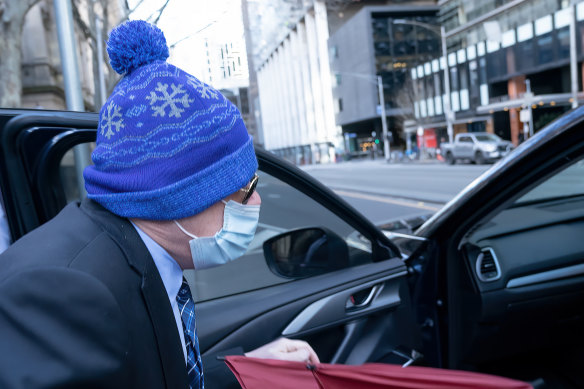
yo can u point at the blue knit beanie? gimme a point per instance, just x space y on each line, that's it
168 145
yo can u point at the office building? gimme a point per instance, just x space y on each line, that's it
509 65
379 40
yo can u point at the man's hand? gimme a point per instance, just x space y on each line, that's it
287 350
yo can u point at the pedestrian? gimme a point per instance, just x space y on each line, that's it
96 297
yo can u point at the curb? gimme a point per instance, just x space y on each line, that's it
441 201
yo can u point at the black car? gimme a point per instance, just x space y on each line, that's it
493 282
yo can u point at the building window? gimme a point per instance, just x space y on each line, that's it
525 55
437 84
545 48
244 98
380 29
454 85
334 52
339 106
563 36
474 83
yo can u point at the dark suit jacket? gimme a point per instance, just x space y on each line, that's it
82 305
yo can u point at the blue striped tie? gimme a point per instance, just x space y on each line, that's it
186 307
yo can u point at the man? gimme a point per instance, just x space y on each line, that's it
95 297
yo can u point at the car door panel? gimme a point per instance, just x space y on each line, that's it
340 307
272 312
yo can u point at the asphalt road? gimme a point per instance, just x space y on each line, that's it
388 191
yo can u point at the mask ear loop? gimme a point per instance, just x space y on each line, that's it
185 231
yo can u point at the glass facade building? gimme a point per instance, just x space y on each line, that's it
399 47
494 47
379 41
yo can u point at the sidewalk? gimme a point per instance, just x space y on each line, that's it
378 161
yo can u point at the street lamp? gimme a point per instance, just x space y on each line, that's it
573 55
377 80
440 31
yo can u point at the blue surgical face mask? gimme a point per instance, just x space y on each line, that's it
231 242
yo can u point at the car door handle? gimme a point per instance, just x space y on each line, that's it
333 309
363 297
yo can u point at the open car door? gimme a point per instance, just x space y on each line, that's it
353 306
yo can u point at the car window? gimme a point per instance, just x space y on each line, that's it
283 209
465 139
567 183
68 175
558 199
487 138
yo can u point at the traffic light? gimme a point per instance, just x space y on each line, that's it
376 141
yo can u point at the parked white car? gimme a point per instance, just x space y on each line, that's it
477 147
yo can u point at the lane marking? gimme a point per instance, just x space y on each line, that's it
405 203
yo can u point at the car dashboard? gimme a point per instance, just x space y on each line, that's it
529 245
522 291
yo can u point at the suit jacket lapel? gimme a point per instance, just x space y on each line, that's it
153 291
173 362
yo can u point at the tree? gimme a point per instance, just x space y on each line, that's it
100 9
405 98
85 14
339 5
12 13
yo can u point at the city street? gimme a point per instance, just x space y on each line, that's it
388 191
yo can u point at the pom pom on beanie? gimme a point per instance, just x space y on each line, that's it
135 43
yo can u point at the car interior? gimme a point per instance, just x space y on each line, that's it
521 291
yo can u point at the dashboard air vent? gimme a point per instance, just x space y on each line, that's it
488 266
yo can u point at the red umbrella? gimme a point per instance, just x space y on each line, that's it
254 373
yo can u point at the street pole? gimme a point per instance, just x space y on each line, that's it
383 120
73 95
100 60
448 114
573 55
528 98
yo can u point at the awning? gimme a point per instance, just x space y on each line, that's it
472 119
555 98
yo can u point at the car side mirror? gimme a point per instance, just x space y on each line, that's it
306 252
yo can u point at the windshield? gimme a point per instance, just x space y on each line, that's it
567 183
487 138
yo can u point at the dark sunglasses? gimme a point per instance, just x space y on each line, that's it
249 188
